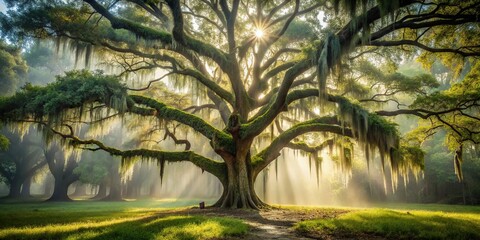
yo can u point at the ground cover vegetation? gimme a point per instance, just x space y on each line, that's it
262 76
173 219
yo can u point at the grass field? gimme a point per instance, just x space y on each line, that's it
399 221
171 219
111 220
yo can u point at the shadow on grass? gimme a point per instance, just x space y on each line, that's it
396 225
40 217
152 227
33 214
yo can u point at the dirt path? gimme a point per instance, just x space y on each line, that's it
267 224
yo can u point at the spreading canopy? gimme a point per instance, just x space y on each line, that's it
256 71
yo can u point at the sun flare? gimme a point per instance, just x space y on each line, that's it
259 33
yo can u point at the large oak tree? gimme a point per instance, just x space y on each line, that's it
259 71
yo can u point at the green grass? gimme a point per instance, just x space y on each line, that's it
41 213
454 222
111 220
147 219
429 207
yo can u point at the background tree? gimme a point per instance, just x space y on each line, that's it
4 143
20 163
44 63
62 166
13 69
93 169
114 181
263 76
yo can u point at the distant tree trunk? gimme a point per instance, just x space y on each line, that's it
80 189
151 190
48 184
134 185
115 193
26 157
133 189
15 187
26 188
130 193
124 190
60 191
102 191
63 174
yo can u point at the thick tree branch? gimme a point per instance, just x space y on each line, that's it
272 93
176 140
446 20
345 36
278 69
324 124
258 84
424 47
200 47
213 167
289 20
275 57
163 111
258 124
306 148
230 17
154 10
195 109
140 30
213 86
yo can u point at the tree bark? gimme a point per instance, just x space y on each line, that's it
48 184
25 193
133 189
60 192
15 187
115 193
238 190
102 191
63 175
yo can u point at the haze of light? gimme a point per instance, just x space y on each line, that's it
259 33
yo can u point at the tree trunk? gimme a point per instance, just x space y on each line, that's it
15 186
102 191
115 193
62 171
133 191
80 190
60 191
115 180
48 184
238 191
26 188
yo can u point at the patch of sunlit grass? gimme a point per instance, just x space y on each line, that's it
393 206
111 220
430 207
197 227
145 227
55 230
42 213
397 224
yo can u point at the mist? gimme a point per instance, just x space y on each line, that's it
293 179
